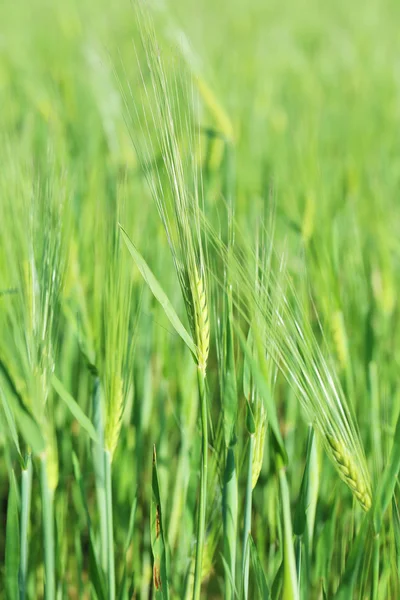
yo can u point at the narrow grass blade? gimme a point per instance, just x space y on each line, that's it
12 428
79 563
230 515
388 482
158 547
300 517
396 533
302 527
123 586
261 580
276 588
159 293
265 395
349 577
326 545
12 542
230 409
30 430
248 507
229 396
131 525
313 491
27 425
26 489
376 567
290 582
95 571
74 408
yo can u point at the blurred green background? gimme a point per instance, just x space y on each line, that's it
312 92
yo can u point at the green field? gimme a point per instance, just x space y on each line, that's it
199 316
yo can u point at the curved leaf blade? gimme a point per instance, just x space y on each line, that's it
159 293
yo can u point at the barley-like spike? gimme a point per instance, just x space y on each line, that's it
340 338
350 473
187 297
114 417
202 325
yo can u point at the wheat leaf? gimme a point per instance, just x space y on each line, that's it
159 293
74 408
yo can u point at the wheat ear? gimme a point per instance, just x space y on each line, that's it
202 323
350 473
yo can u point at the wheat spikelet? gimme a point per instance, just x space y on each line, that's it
350 472
202 323
340 337
383 288
177 186
309 218
30 291
114 417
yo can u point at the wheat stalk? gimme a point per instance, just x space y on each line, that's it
179 196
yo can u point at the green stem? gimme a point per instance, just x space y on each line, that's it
201 523
247 520
179 494
230 523
98 463
299 553
48 531
290 584
313 489
375 574
110 528
26 487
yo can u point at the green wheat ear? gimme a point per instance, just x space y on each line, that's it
311 375
340 338
114 414
202 323
350 472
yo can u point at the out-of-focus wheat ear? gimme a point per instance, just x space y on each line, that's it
114 415
308 223
202 323
350 472
340 338
29 280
